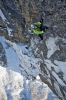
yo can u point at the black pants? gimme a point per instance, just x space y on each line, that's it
41 36
42 27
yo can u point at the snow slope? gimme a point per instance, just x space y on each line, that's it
13 86
21 60
18 61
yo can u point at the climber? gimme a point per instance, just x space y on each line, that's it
39 28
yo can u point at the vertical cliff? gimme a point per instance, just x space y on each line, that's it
16 17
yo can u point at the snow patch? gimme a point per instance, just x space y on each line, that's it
57 67
2 16
49 64
40 91
12 57
62 67
19 56
9 31
37 77
6 21
51 46
58 79
13 86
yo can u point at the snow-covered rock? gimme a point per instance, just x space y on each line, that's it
21 60
13 86
46 58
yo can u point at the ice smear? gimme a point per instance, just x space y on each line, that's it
6 21
58 66
2 16
16 56
9 31
51 46
62 67
12 57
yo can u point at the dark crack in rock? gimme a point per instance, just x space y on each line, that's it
3 60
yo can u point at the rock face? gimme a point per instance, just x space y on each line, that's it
16 16
53 62
20 12
13 15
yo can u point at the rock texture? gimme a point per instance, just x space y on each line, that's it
20 14
12 12
3 60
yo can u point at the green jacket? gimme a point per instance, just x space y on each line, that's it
37 31
37 23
